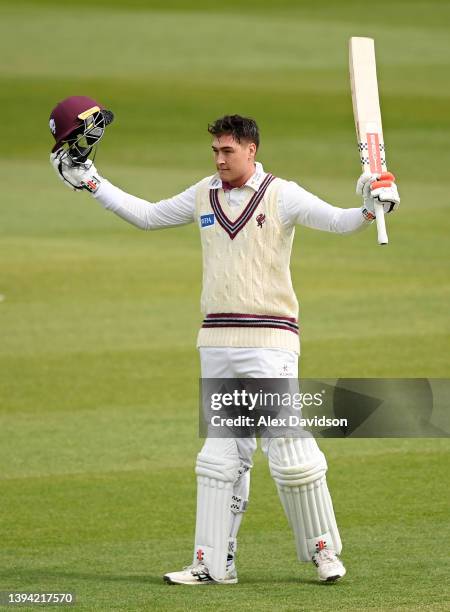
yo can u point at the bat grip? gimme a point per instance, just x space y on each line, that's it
381 225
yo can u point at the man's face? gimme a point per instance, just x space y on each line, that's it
234 160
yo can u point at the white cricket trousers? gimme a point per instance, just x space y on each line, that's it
229 362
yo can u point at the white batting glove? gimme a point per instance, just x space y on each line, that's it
380 187
75 176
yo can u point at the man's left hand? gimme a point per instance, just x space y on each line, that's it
381 187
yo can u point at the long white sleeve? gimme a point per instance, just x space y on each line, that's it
178 210
298 206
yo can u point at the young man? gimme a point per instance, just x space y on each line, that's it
246 218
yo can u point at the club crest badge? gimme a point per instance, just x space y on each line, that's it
260 219
52 126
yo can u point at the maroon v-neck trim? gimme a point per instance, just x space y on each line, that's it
233 228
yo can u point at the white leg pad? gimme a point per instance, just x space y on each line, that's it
217 469
298 468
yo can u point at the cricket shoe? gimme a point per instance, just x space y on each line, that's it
329 567
199 574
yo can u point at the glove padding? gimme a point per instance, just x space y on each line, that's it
76 177
377 186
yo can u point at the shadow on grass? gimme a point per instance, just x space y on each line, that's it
291 579
47 575
34 575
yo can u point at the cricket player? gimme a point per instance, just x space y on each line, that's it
246 219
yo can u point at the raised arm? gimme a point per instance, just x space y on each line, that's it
178 210
298 206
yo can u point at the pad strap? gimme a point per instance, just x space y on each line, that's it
238 504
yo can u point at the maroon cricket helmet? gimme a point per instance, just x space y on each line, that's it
68 117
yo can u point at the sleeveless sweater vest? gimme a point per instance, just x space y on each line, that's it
247 297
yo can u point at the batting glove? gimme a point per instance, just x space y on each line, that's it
75 176
379 187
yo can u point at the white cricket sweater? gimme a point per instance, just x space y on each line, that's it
247 297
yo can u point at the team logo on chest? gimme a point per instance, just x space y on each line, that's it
260 219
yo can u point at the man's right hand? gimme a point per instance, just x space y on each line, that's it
75 176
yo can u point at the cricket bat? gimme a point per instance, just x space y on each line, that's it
367 114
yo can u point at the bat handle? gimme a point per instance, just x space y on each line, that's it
381 224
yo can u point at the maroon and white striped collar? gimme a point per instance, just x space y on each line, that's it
254 182
233 227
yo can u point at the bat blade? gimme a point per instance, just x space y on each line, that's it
367 114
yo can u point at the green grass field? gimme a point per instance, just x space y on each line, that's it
98 321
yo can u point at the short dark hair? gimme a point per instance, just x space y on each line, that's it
241 128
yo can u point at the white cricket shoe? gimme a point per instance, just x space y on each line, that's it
199 574
329 567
